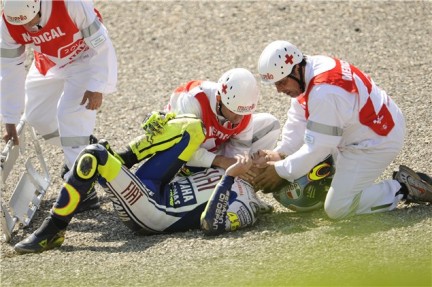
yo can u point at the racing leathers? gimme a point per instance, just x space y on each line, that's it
150 201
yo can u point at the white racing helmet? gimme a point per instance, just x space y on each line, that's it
277 61
20 12
238 91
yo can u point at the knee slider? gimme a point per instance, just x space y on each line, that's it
87 166
98 151
88 161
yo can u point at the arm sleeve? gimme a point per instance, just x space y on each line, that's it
214 217
293 130
322 135
12 57
202 158
184 103
103 61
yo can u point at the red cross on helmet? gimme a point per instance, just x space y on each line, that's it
20 12
277 61
238 91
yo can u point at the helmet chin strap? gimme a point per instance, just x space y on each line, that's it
229 124
220 109
300 80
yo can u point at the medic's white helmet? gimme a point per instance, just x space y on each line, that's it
20 12
277 61
239 91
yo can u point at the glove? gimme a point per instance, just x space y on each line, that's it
155 121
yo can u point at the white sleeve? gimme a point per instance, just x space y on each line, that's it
202 158
184 103
323 133
103 61
301 162
293 130
12 57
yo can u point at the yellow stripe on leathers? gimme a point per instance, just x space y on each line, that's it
111 168
172 134
142 148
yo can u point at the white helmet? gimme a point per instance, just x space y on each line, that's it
20 12
277 61
238 91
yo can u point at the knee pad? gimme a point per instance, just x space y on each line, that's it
197 132
196 135
89 160
98 151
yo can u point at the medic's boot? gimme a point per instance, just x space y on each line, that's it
416 188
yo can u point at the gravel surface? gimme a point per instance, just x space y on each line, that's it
164 43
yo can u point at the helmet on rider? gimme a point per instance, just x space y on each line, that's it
278 60
20 12
308 192
238 91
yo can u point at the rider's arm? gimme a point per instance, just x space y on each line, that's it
213 219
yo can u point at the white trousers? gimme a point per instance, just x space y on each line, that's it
53 108
353 189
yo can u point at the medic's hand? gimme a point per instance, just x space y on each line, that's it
251 174
268 180
93 100
261 157
11 134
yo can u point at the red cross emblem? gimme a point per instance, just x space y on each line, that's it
289 59
224 88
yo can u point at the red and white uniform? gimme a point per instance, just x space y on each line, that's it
256 131
72 53
344 113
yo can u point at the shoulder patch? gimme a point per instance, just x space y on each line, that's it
98 41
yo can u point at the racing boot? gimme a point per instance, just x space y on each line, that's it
46 237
